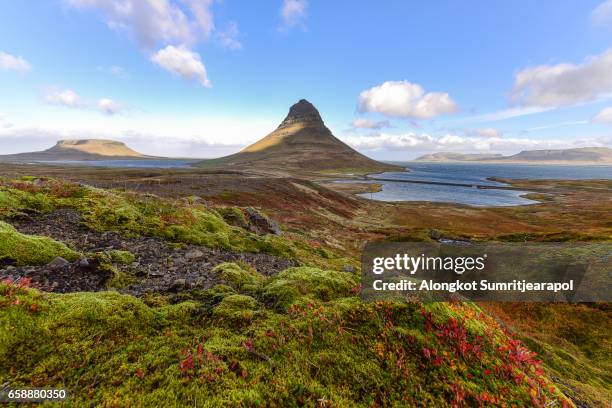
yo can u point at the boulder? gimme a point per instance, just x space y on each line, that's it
194 254
260 224
58 262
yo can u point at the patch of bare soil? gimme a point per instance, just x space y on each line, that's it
159 266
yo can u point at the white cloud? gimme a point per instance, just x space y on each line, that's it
4 122
12 63
108 106
558 125
114 70
117 71
64 97
228 37
390 141
204 18
370 124
602 14
293 13
406 100
70 99
423 142
605 116
510 113
149 133
155 23
564 84
152 22
486 132
180 61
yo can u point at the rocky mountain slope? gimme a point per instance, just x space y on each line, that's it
301 142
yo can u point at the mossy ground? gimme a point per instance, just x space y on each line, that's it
301 337
173 220
22 249
115 350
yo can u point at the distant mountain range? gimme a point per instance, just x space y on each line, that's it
301 142
79 150
584 155
450 157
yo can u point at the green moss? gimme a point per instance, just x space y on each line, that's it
233 216
124 257
239 278
293 283
236 308
109 349
298 338
120 280
14 202
104 211
29 249
175 221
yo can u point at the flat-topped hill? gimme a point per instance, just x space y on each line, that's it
79 149
583 155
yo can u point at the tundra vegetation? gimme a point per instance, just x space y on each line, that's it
301 337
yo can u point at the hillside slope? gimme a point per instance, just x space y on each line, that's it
583 155
301 142
79 149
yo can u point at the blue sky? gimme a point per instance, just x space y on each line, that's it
395 79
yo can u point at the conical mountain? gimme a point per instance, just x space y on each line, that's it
301 142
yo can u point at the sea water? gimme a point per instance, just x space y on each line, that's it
457 175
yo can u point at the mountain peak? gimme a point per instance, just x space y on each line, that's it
302 112
301 142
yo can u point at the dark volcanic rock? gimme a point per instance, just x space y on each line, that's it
159 266
260 224
68 277
58 262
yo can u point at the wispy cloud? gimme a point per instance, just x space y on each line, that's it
109 107
63 97
558 125
229 36
4 122
411 142
361 123
604 116
602 14
13 63
151 22
509 113
174 27
485 132
114 70
293 13
564 84
71 99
